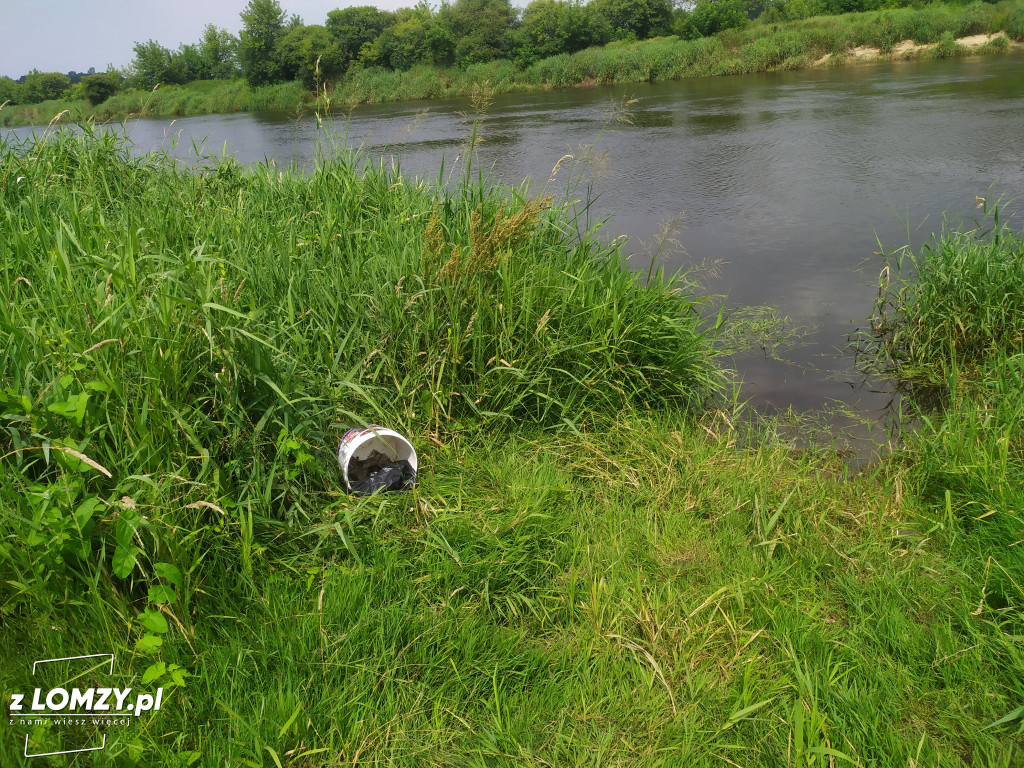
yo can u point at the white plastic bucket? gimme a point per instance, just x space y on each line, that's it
360 442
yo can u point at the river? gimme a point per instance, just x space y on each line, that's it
791 180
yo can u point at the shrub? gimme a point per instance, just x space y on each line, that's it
947 47
43 86
1015 25
709 18
98 88
971 20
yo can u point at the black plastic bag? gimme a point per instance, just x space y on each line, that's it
397 476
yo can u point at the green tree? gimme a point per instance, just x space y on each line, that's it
483 29
301 48
405 43
356 27
189 64
638 19
551 27
9 90
441 37
99 88
43 86
263 25
151 65
219 49
710 17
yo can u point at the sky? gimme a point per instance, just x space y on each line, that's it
65 35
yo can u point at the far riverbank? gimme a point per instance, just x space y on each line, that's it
823 41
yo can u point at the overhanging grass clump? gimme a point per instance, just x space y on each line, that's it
959 302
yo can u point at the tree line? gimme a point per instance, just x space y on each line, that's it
36 86
274 47
214 56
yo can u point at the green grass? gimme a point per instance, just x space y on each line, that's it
760 47
951 317
970 464
591 571
959 303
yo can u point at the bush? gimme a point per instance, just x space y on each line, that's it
972 20
929 24
709 18
8 91
43 86
947 47
1015 25
99 88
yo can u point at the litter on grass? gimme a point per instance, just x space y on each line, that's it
373 459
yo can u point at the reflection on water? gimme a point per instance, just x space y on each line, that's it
790 178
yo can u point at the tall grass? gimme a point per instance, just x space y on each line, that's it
959 302
952 316
201 97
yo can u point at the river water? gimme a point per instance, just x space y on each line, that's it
791 180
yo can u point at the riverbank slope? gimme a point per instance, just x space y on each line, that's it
600 558
855 38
